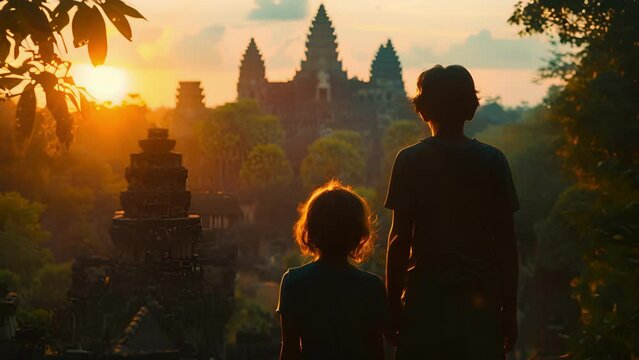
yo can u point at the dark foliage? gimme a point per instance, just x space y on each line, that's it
598 108
31 56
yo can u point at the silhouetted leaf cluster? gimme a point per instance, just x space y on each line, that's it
31 47
598 109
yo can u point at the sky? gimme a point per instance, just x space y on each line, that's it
204 40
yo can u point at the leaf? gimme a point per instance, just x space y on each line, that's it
26 66
33 20
81 25
5 48
126 9
97 38
17 38
46 79
64 6
69 80
72 94
61 14
8 83
64 130
57 105
89 28
60 21
117 19
25 118
45 48
86 107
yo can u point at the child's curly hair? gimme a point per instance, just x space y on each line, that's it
335 220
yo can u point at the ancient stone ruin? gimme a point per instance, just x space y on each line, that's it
155 223
160 295
321 97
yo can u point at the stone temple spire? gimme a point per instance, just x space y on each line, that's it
252 81
155 222
386 69
321 45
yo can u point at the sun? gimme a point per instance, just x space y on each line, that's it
104 83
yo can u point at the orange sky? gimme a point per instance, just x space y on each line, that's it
204 40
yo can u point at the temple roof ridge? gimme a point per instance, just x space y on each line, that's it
321 11
389 44
386 64
252 54
321 44
321 27
252 64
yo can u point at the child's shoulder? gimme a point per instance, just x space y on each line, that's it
303 273
487 148
490 154
295 273
417 149
368 276
316 270
432 144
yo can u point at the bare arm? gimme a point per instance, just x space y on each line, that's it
399 243
290 349
508 265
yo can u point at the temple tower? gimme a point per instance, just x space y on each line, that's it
321 47
386 70
189 109
320 88
183 297
155 223
252 81
320 97
387 85
189 96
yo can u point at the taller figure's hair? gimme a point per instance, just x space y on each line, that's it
446 93
335 220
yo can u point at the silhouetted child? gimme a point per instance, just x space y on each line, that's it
330 309
451 247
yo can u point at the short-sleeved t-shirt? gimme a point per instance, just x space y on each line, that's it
337 308
453 192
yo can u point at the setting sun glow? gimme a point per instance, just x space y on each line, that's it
104 83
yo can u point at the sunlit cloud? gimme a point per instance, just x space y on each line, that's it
482 50
159 47
286 55
201 48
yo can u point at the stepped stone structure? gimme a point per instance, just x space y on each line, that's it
321 96
155 223
167 292
189 96
189 108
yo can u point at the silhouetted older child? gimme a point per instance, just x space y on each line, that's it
453 200
330 309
